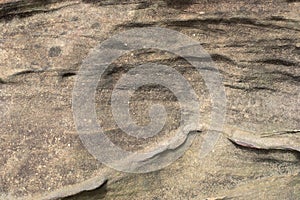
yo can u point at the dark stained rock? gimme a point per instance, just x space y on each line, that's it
54 51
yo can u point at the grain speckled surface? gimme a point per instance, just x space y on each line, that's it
256 47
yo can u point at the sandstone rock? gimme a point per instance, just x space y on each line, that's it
255 46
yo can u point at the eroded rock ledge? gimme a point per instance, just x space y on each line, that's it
255 45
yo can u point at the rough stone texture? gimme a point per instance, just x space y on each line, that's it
255 45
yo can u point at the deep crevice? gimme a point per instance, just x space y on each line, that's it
292 1
24 72
277 61
98 193
68 74
2 81
264 151
287 75
250 89
222 58
21 9
228 21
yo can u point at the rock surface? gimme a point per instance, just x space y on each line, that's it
255 46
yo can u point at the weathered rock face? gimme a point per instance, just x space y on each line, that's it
255 46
